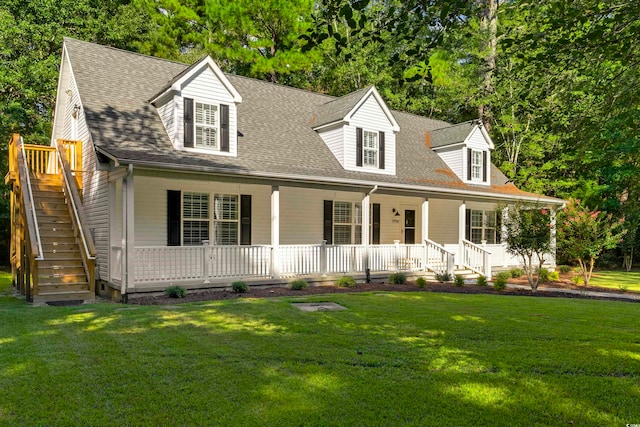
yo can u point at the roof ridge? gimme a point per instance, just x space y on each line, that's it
127 51
312 92
472 121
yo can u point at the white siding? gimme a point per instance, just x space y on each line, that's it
443 220
302 214
334 138
151 206
166 110
476 140
453 157
205 87
370 116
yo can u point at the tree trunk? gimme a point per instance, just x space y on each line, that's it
489 28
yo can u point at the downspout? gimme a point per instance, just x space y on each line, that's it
125 235
367 270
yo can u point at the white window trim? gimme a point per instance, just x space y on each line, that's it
183 218
476 167
484 227
203 125
211 219
366 149
226 221
355 224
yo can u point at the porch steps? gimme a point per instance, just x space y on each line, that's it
61 275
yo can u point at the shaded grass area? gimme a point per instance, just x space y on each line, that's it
390 359
617 279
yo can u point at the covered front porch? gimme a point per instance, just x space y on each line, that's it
192 230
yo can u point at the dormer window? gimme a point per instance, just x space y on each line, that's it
207 126
476 165
370 149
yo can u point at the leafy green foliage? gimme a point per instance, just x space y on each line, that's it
516 272
239 287
578 279
458 281
298 285
543 275
346 282
443 277
481 281
584 234
421 282
564 269
397 278
554 275
175 292
500 282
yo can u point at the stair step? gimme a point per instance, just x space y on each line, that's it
53 232
61 278
59 269
57 263
82 297
53 240
45 205
53 193
49 288
61 255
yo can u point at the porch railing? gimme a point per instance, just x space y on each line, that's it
476 258
438 259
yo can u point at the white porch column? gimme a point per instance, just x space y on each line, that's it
425 219
366 238
128 233
504 234
552 223
462 218
112 226
275 231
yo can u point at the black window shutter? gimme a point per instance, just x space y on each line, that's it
224 127
173 217
188 122
375 235
469 154
328 221
498 226
245 219
467 225
484 166
358 146
381 150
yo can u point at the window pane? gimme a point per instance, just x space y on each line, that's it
491 218
342 234
358 235
226 233
206 114
342 212
225 207
490 235
476 218
476 235
194 232
195 205
370 140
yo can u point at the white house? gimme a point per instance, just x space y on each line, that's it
196 177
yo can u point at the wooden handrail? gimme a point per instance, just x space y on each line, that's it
26 200
74 197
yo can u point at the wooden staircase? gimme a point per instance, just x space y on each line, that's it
61 275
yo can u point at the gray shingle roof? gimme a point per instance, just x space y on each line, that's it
276 122
336 109
454 134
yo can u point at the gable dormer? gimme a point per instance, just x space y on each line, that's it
466 149
360 131
199 110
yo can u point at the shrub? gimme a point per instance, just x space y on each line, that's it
564 269
458 281
175 292
543 275
397 278
554 275
481 281
421 282
443 277
346 282
239 287
516 272
578 280
500 283
298 285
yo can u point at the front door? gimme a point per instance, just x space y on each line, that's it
409 226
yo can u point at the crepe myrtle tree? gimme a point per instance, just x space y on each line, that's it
527 235
584 234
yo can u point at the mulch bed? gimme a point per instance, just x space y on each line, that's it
211 295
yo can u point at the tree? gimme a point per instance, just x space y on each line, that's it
584 234
527 230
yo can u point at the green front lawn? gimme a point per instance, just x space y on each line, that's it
390 359
617 279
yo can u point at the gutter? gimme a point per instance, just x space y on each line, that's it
339 181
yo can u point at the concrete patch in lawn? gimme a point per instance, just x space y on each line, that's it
318 306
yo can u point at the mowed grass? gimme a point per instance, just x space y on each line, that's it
391 359
617 279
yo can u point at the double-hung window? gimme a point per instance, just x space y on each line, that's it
207 126
483 226
195 214
342 223
476 165
225 219
370 148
